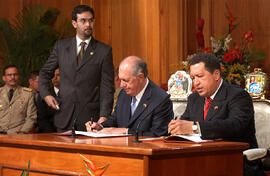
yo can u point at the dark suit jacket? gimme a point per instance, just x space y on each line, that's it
86 90
156 124
230 116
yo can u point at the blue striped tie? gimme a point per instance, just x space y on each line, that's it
133 105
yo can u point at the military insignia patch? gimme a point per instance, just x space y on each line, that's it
27 89
21 100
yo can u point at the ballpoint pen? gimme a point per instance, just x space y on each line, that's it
91 123
175 118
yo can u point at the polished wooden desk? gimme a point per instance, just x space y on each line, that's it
58 155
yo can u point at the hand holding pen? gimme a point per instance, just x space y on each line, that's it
92 126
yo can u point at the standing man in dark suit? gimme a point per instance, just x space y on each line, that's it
86 71
140 100
217 109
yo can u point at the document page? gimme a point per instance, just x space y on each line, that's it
98 135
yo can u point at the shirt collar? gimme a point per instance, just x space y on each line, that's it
140 94
80 40
213 96
56 90
7 88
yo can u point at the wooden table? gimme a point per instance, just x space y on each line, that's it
52 154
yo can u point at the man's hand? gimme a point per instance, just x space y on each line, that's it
180 127
102 119
114 130
93 127
51 101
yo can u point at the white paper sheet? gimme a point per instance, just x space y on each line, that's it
193 137
98 135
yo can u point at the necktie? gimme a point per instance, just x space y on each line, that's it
133 105
35 98
10 94
80 55
206 106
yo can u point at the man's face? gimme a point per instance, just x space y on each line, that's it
84 25
34 83
130 83
205 82
11 77
56 78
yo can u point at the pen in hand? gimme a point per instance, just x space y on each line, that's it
175 118
91 123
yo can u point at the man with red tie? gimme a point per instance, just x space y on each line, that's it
216 109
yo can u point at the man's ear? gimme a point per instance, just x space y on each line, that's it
140 75
74 23
217 74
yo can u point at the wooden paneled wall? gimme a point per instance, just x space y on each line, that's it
252 15
163 31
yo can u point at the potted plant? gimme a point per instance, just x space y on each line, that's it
28 41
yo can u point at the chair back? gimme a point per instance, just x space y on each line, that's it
262 125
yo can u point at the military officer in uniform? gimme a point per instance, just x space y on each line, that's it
17 109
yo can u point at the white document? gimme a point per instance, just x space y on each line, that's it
98 135
193 137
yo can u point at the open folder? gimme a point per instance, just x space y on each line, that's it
186 138
98 135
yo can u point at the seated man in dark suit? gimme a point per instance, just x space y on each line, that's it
140 100
216 109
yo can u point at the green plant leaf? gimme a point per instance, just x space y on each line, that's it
28 169
29 39
23 173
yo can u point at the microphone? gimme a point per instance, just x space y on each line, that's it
145 117
73 133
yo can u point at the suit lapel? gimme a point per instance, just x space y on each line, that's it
71 53
199 108
88 54
143 105
217 103
126 114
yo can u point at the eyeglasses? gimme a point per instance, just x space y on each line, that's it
83 20
12 74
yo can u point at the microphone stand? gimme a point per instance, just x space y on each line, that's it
136 140
73 133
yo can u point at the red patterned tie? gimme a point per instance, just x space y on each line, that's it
206 106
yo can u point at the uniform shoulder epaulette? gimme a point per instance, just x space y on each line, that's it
27 89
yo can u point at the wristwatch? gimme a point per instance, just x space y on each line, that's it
194 127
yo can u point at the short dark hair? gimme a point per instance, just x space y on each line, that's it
81 8
7 67
141 67
210 61
33 74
